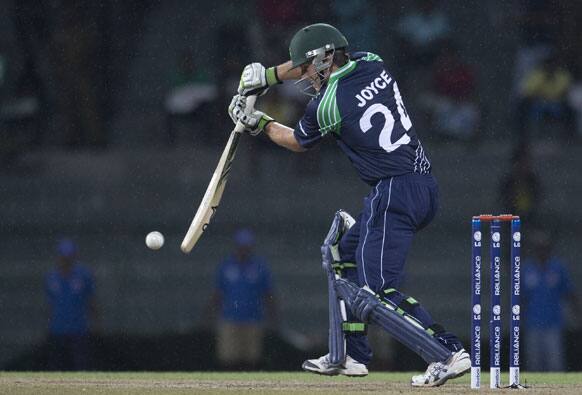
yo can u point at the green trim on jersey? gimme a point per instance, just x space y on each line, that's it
343 71
371 57
328 116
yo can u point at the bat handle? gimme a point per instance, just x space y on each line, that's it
249 108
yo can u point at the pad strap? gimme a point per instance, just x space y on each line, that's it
406 307
355 328
368 306
338 267
435 329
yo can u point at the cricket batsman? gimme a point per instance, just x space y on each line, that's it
358 102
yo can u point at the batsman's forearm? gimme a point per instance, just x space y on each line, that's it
285 72
283 135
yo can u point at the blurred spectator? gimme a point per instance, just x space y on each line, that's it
25 102
357 20
278 21
451 104
286 104
75 47
19 107
3 68
546 286
520 189
282 105
544 97
190 96
244 298
277 14
422 31
232 30
21 110
539 22
8 151
31 24
70 290
575 103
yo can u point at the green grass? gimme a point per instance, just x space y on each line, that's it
24 383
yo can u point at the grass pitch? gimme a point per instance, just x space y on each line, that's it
21 383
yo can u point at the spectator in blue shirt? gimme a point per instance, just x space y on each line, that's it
245 302
70 289
546 285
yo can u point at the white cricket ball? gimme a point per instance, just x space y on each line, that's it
154 240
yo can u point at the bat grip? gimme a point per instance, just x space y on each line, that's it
249 108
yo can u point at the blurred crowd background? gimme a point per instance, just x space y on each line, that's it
113 116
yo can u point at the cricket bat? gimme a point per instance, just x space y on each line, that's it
215 189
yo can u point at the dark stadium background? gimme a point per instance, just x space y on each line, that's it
85 152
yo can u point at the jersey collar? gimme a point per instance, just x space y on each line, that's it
344 70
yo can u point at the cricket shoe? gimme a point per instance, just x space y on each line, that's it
321 365
439 372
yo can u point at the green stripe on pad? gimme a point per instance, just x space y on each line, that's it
411 300
343 265
353 327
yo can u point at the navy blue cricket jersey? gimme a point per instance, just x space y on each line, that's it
362 107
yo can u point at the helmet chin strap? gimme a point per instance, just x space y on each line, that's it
322 63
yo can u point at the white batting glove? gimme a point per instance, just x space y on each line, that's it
256 80
254 122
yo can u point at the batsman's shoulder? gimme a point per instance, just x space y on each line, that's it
363 56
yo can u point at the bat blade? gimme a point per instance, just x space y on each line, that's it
215 189
212 196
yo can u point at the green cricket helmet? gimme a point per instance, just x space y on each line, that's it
315 40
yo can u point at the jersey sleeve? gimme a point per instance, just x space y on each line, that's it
307 130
